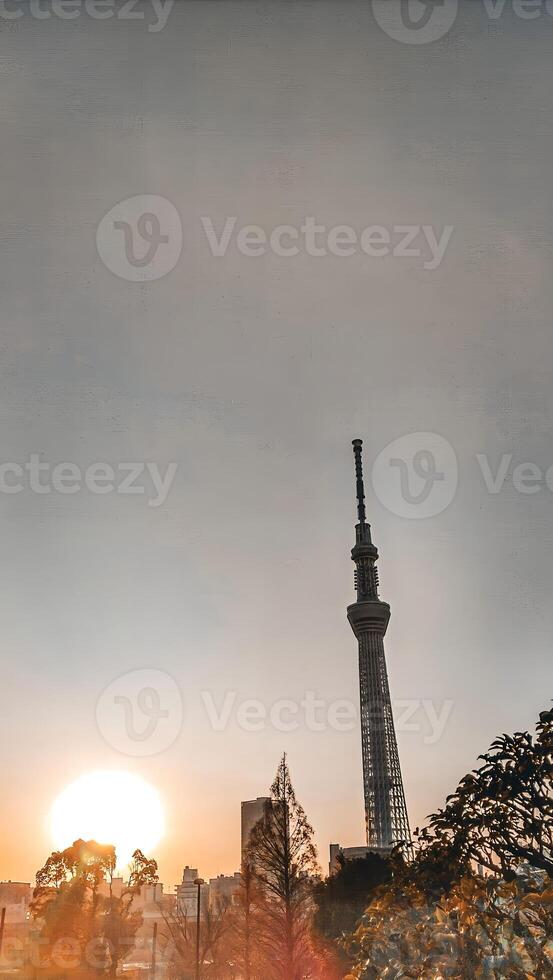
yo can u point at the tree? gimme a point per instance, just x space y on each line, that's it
247 920
66 898
179 942
215 941
502 812
483 927
74 903
438 917
283 859
121 920
341 899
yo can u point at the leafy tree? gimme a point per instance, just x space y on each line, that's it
344 896
121 921
74 901
483 927
66 897
282 856
502 812
438 918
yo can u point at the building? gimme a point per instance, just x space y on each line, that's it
151 901
15 898
187 894
386 818
348 853
115 888
252 811
223 888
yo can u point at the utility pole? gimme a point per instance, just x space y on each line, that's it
2 923
199 882
154 946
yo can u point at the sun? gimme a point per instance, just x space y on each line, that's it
110 807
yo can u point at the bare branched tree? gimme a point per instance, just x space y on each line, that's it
178 941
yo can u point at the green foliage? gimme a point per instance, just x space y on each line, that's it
437 918
484 927
502 812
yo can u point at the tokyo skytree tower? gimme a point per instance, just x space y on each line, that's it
385 809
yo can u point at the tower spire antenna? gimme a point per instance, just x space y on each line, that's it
360 486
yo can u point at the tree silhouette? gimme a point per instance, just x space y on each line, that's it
121 921
66 897
283 859
69 903
247 921
439 917
502 812
178 941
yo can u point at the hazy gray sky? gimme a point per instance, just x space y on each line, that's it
253 374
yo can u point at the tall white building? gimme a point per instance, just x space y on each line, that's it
252 811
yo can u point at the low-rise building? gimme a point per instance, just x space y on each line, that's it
187 894
223 888
348 854
15 897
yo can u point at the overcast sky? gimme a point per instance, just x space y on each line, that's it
253 374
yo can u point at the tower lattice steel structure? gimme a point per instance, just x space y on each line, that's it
385 809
